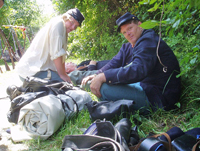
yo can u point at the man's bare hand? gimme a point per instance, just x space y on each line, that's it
60 66
66 78
86 79
96 83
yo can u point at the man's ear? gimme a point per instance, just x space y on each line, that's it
139 23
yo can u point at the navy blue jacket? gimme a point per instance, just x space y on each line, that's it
140 64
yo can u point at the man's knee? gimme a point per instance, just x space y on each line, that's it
104 90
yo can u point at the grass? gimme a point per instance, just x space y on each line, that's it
158 122
186 117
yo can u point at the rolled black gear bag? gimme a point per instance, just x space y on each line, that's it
18 102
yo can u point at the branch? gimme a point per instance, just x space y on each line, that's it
164 67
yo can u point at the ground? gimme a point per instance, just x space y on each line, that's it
6 144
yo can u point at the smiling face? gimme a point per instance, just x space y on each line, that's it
131 32
71 24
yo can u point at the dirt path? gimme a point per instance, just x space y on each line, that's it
6 79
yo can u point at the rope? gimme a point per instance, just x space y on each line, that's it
164 67
4 97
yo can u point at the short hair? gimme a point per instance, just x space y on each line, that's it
66 16
131 21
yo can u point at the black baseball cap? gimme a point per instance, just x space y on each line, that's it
76 14
124 18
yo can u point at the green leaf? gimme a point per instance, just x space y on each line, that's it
144 2
193 61
154 8
178 104
185 60
175 25
149 24
196 28
152 1
195 48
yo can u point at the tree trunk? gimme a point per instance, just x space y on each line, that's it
6 65
10 50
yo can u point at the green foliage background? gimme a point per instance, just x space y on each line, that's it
21 13
176 20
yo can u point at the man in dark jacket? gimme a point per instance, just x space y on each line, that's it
144 69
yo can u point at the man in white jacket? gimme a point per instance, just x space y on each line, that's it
45 58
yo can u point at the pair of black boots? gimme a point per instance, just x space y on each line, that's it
173 140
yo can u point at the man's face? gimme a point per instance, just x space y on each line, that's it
1 3
69 67
71 24
131 32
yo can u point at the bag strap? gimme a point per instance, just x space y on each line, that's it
195 146
89 142
166 144
76 109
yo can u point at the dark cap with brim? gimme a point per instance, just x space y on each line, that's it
76 14
124 18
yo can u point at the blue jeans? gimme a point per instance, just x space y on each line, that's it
115 92
125 91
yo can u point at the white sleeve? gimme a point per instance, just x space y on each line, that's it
58 40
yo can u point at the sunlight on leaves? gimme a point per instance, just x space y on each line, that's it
149 24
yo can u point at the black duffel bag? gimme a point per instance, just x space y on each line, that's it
110 109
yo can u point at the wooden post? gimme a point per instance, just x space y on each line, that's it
27 37
14 41
6 65
11 58
18 43
1 48
1 70
10 50
1 54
